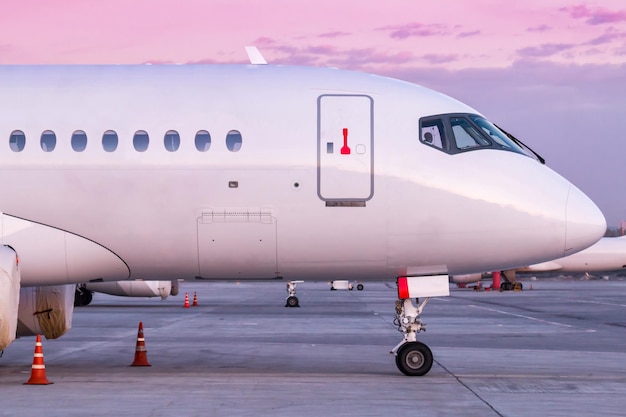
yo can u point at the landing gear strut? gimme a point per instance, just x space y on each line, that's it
292 300
413 358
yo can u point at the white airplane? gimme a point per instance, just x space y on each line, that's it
217 172
606 255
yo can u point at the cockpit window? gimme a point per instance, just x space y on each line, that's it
495 134
455 133
465 134
432 133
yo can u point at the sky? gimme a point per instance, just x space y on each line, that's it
552 72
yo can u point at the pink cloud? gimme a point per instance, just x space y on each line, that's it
440 58
410 30
595 17
334 34
607 37
468 34
364 57
539 28
544 50
263 41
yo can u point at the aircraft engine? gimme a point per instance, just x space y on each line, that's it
45 310
134 288
465 279
9 295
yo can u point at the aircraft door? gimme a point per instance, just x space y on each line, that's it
345 148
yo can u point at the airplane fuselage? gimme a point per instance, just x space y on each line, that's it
310 174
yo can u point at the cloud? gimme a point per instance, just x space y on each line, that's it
607 37
440 58
263 41
596 16
336 34
545 50
621 50
468 34
539 28
410 30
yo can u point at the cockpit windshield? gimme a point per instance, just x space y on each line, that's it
455 133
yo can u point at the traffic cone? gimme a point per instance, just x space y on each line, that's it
141 355
195 300
186 300
38 370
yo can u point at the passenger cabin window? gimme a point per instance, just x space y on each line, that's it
233 141
456 133
203 141
48 141
79 141
17 141
109 141
171 140
141 140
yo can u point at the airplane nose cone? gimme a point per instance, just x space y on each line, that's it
585 222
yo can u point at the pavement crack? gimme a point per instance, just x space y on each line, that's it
458 379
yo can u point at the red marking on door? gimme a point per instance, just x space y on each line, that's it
345 150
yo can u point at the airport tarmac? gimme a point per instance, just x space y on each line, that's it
555 350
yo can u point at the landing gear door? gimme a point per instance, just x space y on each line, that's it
345 148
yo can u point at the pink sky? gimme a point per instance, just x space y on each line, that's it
553 72
357 33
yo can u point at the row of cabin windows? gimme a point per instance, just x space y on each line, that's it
141 141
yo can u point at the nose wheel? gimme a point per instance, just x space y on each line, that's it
414 359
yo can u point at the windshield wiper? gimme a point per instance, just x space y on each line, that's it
522 144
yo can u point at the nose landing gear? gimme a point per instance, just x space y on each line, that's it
413 358
292 300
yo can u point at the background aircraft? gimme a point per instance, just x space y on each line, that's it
607 255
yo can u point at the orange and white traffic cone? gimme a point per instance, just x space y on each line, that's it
38 371
186 300
195 300
141 355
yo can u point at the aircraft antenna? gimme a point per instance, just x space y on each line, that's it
255 56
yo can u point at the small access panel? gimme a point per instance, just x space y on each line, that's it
345 149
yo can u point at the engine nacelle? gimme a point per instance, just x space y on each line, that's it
46 310
465 279
132 288
9 295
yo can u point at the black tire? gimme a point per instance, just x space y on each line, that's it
292 302
82 298
414 359
359 287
